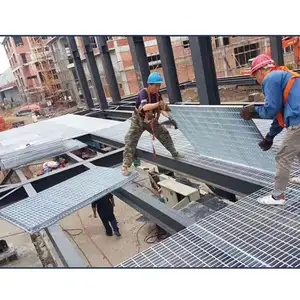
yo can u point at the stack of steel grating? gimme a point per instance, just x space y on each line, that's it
18 156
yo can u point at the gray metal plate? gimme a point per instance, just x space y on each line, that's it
243 235
49 206
220 133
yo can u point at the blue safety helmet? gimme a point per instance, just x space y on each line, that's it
155 78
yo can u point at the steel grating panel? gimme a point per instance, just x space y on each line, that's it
243 235
12 157
219 132
117 133
49 206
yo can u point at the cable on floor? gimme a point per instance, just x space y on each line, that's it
90 238
137 237
159 235
13 234
68 231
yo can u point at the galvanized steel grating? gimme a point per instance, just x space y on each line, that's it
49 206
257 176
243 235
220 133
15 157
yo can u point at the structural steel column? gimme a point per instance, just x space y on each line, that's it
94 72
169 68
204 68
80 72
277 50
140 60
109 69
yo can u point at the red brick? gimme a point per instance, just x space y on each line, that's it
122 42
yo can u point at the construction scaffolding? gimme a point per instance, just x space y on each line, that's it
41 56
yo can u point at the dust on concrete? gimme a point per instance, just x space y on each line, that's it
104 251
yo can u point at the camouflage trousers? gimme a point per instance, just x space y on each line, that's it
135 131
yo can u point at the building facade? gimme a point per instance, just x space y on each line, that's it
231 56
9 92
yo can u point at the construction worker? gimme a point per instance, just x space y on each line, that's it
148 107
281 88
105 209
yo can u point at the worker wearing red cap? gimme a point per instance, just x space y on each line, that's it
281 88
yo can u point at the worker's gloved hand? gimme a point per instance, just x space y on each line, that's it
163 106
173 122
266 143
248 112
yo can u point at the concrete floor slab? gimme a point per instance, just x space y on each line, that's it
101 250
27 255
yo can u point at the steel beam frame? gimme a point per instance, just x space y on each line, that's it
205 71
80 72
62 245
109 69
219 181
94 72
277 50
167 218
7 177
140 60
169 68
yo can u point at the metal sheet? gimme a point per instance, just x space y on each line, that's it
49 206
243 235
219 132
11 157
60 128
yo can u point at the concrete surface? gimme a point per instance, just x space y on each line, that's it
27 255
101 250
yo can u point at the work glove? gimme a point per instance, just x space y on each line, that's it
266 143
163 106
173 122
248 112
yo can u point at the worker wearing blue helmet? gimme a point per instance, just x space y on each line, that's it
149 105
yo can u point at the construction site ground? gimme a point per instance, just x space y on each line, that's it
85 232
88 237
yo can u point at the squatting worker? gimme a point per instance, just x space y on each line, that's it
148 107
281 88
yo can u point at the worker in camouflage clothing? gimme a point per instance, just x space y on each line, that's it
148 107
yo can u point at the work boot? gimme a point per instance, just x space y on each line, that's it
270 200
295 180
178 155
125 171
117 233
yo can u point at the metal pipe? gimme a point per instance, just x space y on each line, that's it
109 69
169 68
94 72
80 72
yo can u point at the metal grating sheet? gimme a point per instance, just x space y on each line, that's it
49 206
12 157
117 133
219 132
243 235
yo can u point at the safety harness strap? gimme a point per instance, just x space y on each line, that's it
289 85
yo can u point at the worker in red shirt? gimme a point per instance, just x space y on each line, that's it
281 88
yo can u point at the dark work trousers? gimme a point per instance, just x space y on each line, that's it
109 221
